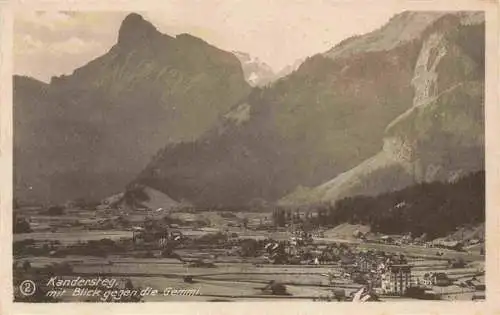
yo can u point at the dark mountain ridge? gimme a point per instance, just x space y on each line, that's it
89 133
323 119
378 112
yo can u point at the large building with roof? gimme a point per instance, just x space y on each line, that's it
396 279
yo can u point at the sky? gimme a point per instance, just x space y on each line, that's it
278 32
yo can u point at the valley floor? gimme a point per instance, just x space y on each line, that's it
216 271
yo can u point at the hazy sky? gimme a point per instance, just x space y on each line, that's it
276 31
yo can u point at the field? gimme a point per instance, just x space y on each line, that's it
70 237
237 281
224 274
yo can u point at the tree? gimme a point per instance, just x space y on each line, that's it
430 209
78 203
279 217
26 265
168 251
402 259
275 288
20 225
307 226
55 210
245 222
249 248
135 195
458 263
339 294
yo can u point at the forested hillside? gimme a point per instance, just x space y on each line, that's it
436 208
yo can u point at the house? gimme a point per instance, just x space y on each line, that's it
441 279
357 234
406 239
176 235
453 245
474 242
367 264
476 284
364 265
387 239
428 279
435 279
142 236
396 279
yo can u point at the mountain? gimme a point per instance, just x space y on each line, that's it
441 137
289 68
345 118
89 133
257 72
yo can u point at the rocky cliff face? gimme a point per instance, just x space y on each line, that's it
329 119
257 72
441 137
88 134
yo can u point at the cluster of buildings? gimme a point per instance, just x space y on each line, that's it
385 275
160 237
422 241
434 279
379 272
301 238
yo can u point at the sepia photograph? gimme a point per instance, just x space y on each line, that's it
249 151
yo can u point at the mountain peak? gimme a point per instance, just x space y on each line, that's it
136 29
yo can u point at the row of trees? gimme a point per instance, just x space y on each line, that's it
282 216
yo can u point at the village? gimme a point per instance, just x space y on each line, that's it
243 256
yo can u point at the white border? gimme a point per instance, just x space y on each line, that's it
490 306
